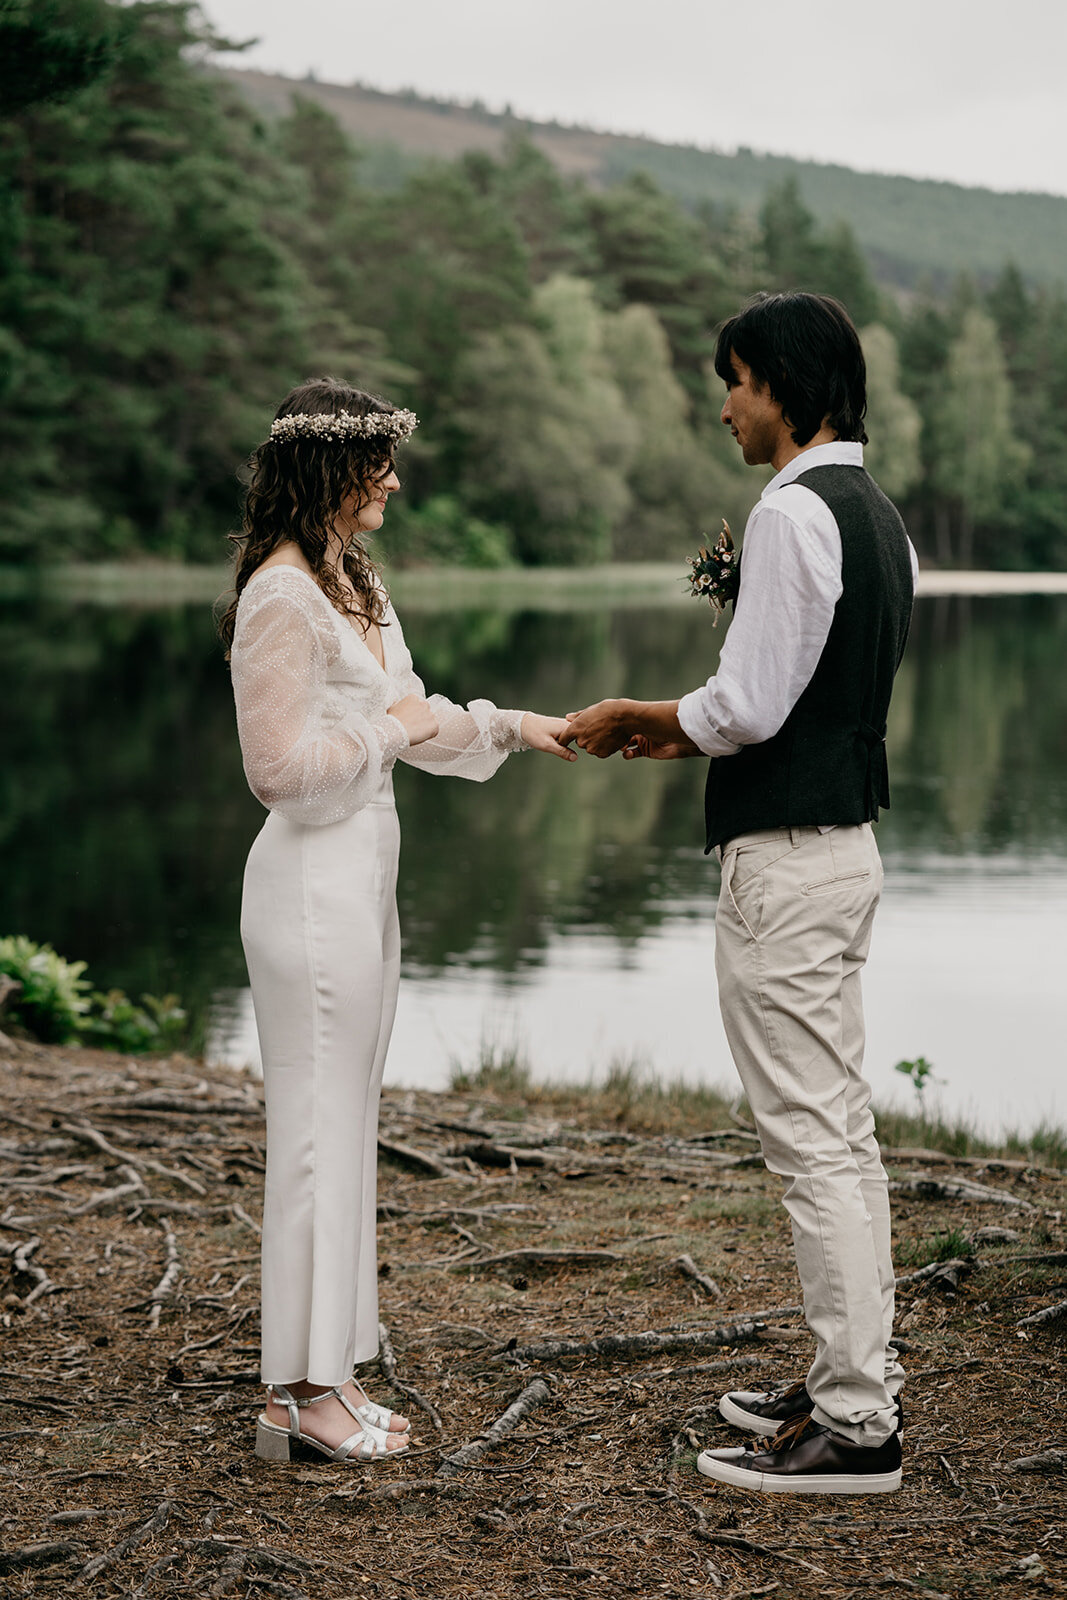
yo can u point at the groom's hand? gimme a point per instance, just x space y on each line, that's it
657 749
601 729
636 727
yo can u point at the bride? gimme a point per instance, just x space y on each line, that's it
327 700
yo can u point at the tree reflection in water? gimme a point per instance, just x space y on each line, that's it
125 819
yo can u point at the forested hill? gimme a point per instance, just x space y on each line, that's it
908 228
172 260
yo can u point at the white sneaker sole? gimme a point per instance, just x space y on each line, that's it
798 1483
739 1418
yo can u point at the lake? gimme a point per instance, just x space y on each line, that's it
562 911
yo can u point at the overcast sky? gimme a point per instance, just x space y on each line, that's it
970 90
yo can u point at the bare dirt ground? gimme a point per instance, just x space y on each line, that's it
525 1248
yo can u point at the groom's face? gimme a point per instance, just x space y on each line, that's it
752 414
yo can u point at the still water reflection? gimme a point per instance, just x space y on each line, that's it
567 910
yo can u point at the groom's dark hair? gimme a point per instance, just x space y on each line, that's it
805 349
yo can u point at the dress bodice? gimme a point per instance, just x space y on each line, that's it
313 705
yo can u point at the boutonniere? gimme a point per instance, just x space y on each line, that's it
715 576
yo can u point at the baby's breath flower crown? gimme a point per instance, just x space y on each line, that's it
716 575
336 425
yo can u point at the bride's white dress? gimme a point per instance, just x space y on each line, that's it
322 942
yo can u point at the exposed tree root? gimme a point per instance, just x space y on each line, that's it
535 1394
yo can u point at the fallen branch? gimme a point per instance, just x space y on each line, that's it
501 1155
20 1255
1050 1258
535 1394
727 1364
466 1234
239 1214
175 1208
236 1320
1046 1461
766 1313
233 1565
136 1105
237 1557
446 1124
53 1407
688 1266
134 1185
165 1287
1049 1314
989 1163
392 1210
738 1120
994 1236
546 1258
943 1274
49 1176
926 1188
421 1160
637 1344
735 1541
171 1559
137 1536
387 1363
85 1133
722 1133
39 1555
85 1514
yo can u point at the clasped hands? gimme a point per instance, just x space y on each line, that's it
639 728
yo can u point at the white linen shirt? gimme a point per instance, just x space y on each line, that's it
790 585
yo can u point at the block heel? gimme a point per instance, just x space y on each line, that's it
271 1443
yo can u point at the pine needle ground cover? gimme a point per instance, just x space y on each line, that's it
567 1285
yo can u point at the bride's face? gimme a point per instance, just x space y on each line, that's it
364 506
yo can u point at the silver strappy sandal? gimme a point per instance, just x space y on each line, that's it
376 1416
368 1443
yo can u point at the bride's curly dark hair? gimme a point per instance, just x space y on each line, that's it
293 493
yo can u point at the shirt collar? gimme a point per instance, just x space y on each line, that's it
838 454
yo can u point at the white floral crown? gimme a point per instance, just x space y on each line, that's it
395 425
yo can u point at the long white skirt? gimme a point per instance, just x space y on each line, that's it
322 942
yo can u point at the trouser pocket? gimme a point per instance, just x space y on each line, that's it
743 877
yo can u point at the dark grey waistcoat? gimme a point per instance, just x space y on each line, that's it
827 763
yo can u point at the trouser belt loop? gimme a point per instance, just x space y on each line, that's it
794 837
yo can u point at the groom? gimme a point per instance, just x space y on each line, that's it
794 722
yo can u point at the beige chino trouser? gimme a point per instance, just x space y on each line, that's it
792 932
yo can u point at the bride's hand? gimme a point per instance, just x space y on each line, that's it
418 719
542 733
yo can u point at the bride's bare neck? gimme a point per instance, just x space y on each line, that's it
289 554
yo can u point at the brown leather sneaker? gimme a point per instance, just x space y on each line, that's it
764 1411
804 1458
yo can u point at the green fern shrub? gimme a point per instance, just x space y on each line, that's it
55 997
57 1005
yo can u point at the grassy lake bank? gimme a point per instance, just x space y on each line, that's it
153 583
